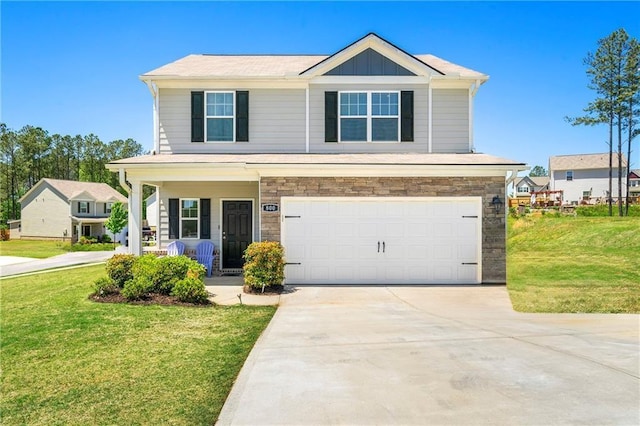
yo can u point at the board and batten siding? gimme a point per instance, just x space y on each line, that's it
450 120
420 127
276 123
45 215
215 191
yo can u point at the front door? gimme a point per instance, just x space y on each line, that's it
236 232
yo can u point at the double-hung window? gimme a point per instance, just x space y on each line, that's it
220 116
83 207
107 207
569 175
369 116
189 214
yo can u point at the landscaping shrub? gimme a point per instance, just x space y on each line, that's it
264 264
105 239
137 288
119 268
105 286
602 210
91 247
190 290
171 269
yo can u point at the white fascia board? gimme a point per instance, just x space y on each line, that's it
239 84
452 83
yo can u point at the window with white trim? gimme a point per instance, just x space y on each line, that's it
107 207
219 116
369 116
523 189
569 175
83 207
189 214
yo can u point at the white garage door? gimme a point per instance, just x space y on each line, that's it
400 240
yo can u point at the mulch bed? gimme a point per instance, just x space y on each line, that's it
271 290
153 299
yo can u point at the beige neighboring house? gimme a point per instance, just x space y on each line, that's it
529 184
64 209
584 178
361 163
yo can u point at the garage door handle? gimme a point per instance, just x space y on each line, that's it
383 246
469 263
378 246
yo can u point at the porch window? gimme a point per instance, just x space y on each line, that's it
369 117
220 117
189 214
83 207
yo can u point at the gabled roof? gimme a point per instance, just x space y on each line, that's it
199 66
634 174
70 190
583 161
540 180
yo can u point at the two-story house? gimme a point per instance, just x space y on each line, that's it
584 178
65 209
361 163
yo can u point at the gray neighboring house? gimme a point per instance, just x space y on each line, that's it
529 184
634 183
585 177
63 209
361 163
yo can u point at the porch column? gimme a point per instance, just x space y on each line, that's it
135 218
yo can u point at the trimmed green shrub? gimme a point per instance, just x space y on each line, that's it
171 269
105 286
119 268
190 290
137 288
264 264
105 239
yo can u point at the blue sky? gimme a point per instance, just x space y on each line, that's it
73 67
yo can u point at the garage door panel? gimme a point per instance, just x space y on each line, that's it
426 240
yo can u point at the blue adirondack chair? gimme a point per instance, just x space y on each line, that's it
175 248
205 256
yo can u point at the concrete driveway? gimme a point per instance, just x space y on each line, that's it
435 355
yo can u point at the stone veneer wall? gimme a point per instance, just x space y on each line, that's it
493 225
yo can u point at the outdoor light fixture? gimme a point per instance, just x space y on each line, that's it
497 203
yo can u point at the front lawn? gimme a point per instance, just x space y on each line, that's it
574 264
33 248
68 360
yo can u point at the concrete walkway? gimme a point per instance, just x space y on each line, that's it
435 355
55 262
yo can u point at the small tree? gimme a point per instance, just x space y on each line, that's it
117 220
538 171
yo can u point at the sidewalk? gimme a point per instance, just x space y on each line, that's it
55 262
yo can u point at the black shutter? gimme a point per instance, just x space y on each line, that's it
205 218
105 207
406 116
197 116
174 218
242 116
88 207
78 209
331 116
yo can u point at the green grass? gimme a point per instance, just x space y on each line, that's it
41 249
67 360
574 264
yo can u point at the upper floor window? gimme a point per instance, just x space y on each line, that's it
220 116
523 189
189 214
107 207
83 207
369 117
569 175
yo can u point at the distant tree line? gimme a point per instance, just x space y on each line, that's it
31 153
614 74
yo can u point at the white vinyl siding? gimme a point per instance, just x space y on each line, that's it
450 120
594 180
45 214
420 121
276 123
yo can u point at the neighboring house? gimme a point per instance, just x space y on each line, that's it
361 163
529 184
152 211
64 209
634 183
584 178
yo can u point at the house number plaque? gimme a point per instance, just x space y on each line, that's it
271 208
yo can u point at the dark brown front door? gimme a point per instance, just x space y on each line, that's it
236 232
